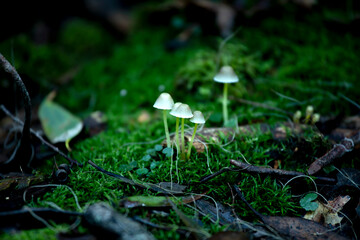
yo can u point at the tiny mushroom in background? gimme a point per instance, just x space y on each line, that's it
181 111
308 113
315 118
297 116
165 102
226 75
198 118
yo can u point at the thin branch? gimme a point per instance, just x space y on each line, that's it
38 136
151 186
8 68
239 193
346 145
248 168
221 171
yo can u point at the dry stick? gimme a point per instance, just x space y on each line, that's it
248 168
346 145
38 136
221 171
25 135
150 186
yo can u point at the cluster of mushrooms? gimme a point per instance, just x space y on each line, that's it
310 116
182 111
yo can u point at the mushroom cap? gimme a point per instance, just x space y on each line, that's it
309 110
182 111
198 118
226 75
316 117
164 101
176 105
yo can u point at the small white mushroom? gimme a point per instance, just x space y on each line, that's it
198 118
165 103
182 111
315 118
297 116
226 75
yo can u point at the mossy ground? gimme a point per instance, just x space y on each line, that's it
283 63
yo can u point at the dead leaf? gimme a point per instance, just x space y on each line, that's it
328 213
300 229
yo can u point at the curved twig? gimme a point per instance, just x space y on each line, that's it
38 136
25 135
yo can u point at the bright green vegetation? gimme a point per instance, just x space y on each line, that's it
276 61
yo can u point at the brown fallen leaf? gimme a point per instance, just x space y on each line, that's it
293 227
300 229
328 213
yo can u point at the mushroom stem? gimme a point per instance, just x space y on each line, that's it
192 141
182 139
168 142
177 135
225 112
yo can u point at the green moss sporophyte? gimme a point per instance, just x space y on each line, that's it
165 103
198 118
182 111
226 75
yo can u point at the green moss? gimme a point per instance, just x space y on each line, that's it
295 59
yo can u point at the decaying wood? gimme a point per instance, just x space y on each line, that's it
104 218
248 168
41 139
346 145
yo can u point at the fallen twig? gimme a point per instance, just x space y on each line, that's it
221 171
248 168
151 186
38 136
25 135
346 145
